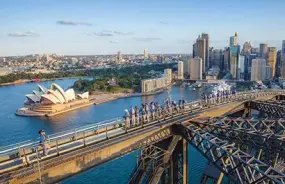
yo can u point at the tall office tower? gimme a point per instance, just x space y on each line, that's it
258 69
201 51
207 61
283 50
186 66
217 58
196 68
278 64
119 56
246 48
272 57
240 70
234 57
268 72
168 73
255 51
180 74
234 40
226 58
263 50
145 54
211 56
194 54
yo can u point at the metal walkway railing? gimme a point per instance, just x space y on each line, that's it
18 154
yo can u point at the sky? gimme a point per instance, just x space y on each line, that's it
91 27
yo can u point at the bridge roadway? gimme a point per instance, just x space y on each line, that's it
91 147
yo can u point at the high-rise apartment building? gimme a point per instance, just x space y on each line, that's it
258 69
145 54
180 73
263 50
246 48
282 72
234 40
234 57
272 56
186 66
207 60
196 68
201 51
168 74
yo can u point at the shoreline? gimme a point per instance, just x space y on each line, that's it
24 81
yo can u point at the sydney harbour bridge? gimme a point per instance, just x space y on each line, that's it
241 137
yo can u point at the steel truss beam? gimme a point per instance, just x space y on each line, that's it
264 133
273 110
166 165
261 138
239 166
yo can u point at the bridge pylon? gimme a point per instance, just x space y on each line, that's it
165 162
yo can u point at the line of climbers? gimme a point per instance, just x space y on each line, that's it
153 111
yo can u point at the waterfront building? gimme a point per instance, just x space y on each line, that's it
196 68
205 36
272 57
186 68
282 60
246 48
258 69
180 73
226 58
151 85
145 54
45 101
234 40
201 50
234 57
168 74
263 50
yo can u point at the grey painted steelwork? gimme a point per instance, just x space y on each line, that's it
239 166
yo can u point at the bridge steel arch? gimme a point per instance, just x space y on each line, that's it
238 166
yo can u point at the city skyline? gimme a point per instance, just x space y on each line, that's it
94 28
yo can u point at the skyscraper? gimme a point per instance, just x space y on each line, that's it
207 61
278 64
283 50
240 70
246 48
119 56
258 69
272 56
186 68
226 58
145 54
201 51
263 50
217 57
196 65
180 74
234 40
234 57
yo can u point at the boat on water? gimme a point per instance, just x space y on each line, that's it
194 89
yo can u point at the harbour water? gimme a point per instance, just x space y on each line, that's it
15 129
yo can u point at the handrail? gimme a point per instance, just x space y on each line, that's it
71 135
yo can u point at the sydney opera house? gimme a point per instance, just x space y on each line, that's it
45 102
